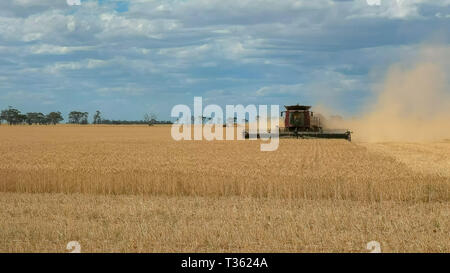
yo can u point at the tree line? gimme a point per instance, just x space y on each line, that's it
13 116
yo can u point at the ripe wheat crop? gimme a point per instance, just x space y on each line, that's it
143 160
95 184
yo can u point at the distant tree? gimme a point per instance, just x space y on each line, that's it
31 118
84 118
97 118
12 116
150 119
41 119
76 117
21 119
54 117
2 116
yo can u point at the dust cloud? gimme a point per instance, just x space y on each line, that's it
412 103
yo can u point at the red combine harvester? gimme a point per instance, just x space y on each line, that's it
300 122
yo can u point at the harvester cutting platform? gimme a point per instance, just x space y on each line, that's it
300 122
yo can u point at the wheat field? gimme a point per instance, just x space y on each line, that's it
134 189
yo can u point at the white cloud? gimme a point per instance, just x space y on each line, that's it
57 50
129 89
277 90
84 64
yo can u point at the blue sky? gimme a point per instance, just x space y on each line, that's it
126 58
